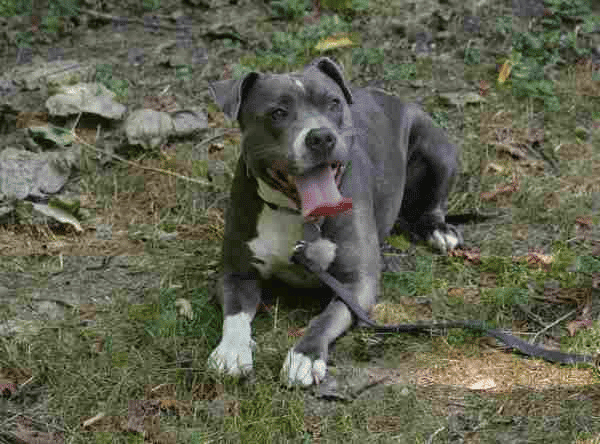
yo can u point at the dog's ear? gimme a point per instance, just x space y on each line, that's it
333 70
229 94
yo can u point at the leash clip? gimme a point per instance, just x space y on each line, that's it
298 251
300 246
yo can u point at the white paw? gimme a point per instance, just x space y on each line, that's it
232 358
299 369
443 241
233 355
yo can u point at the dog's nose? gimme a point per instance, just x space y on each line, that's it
320 140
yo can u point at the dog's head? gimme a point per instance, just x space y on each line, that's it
297 131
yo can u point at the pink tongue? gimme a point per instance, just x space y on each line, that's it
319 194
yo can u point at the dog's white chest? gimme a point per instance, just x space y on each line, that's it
278 233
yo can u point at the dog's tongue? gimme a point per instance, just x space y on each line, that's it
319 194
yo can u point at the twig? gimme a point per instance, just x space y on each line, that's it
147 168
551 325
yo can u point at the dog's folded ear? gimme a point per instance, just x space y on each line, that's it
229 94
335 72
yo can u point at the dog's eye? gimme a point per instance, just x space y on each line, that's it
335 104
278 114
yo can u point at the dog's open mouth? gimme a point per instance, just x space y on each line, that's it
316 193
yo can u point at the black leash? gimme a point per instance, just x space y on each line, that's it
512 341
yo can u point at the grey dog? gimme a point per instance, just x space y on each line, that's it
332 165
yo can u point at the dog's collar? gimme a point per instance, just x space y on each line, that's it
269 195
275 199
312 229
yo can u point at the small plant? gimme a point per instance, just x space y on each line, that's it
289 9
294 48
368 56
440 119
406 71
535 50
472 56
10 8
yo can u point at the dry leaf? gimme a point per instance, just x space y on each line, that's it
505 71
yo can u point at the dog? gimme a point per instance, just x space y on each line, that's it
336 167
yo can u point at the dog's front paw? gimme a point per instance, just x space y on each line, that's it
232 357
299 369
445 239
